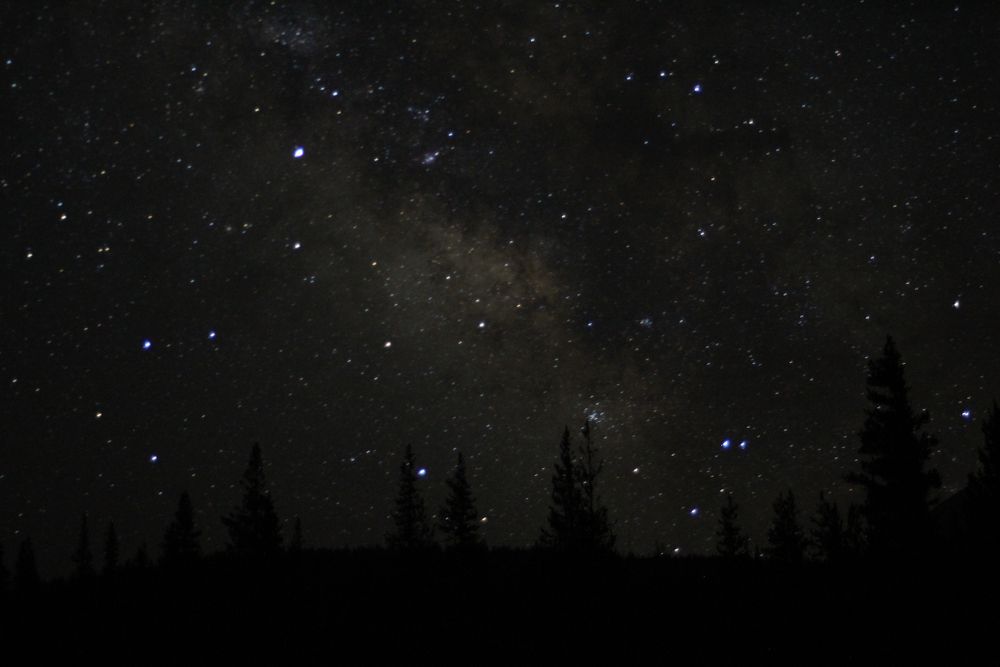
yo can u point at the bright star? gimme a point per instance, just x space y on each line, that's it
967 414
211 335
957 304
697 89
153 458
694 511
298 152
743 444
422 472
726 443
146 344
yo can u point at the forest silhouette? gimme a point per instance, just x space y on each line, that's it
865 581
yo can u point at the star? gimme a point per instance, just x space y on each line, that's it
298 152
146 344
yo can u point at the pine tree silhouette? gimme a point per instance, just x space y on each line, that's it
595 529
786 543
110 549
894 450
26 570
411 530
254 528
181 545
984 489
4 573
459 520
295 543
566 509
731 543
83 558
140 560
828 533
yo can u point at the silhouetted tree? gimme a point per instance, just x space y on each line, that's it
83 558
295 543
181 545
786 543
730 541
984 488
566 508
855 540
458 518
26 569
110 549
894 450
827 535
4 573
411 531
140 559
254 528
596 533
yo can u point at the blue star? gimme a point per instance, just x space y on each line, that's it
298 152
422 472
146 344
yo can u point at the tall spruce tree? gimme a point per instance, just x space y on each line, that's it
295 543
459 520
83 557
731 543
181 546
111 550
254 528
894 452
26 569
786 543
827 537
595 529
984 489
411 530
4 573
566 508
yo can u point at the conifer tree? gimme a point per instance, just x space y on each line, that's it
26 570
181 545
458 518
894 451
566 509
730 541
140 560
828 532
110 549
295 543
4 573
984 489
595 529
254 528
83 558
411 530
786 543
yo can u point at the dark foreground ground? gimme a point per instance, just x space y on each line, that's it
511 607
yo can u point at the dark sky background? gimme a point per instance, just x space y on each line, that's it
336 228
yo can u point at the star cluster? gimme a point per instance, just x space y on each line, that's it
338 229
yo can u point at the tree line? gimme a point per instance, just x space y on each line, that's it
894 520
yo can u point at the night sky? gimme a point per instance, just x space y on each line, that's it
337 228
